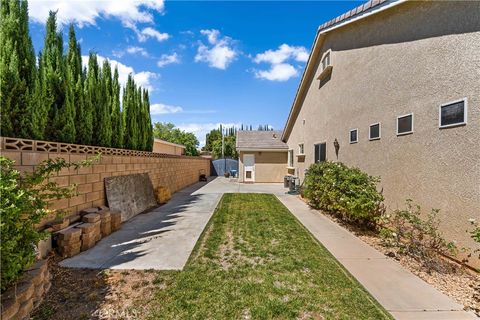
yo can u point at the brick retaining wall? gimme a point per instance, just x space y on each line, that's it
174 172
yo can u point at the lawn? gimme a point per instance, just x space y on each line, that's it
256 261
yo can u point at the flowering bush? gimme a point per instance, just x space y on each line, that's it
349 192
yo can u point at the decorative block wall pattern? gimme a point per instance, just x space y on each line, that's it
174 172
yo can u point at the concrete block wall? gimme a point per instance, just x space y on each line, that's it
174 172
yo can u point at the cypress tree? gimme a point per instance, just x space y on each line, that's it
148 123
92 93
67 113
103 108
117 120
130 115
18 70
141 119
53 79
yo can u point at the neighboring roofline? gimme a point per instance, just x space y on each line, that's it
263 149
365 10
169 143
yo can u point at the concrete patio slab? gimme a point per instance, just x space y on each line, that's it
399 291
164 238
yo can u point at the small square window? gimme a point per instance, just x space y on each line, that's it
326 60
374 132
405 124
354 136
453 114
301 149
320 152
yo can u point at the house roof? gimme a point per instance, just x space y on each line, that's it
260 140
168 143
365 10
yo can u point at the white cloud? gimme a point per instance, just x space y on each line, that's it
277 72
200 130
167 59
220 51
283 53
137 50
129 12
151 33
143 78
280 60
160 108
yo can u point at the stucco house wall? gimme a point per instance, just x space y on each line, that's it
410 58
269 166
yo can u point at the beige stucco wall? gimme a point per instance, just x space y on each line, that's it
269 166
160 147
411 58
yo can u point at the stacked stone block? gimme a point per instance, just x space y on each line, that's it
90 229
69 242
20 299
105 221
116 219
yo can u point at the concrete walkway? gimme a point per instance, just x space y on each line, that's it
402 293
164 238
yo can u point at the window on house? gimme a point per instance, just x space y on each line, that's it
453 114
301 149
405 124
326 60
374 132
354 136
320 152
290 158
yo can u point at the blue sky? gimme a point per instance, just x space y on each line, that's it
205 63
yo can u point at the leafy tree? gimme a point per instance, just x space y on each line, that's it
117 120
230 150
18 70
167 131
212 136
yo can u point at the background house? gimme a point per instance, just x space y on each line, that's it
262 156
162 146
397 85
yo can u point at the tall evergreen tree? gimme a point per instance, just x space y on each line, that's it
103 107
130 115
117 120
92 95
18 70
54 79
148 122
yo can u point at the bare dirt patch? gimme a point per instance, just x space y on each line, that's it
97 294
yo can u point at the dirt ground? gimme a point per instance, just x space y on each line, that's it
97 294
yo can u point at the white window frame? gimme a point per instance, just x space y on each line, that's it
465 114
327 54
379 131
350 136
413 121
300 147
290 158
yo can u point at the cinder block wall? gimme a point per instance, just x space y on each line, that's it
174 172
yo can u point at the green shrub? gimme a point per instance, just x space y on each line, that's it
417 235
23 202
349 192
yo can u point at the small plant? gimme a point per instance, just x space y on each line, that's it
23 204
475 235
411 234
348 192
